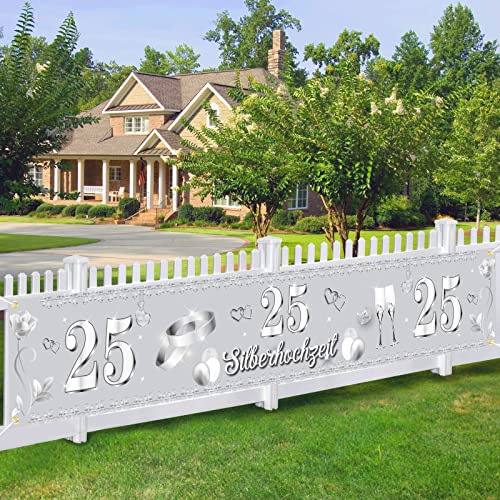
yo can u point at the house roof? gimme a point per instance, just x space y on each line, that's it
166 89
171 92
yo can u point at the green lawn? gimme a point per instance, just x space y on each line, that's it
293 239
23 242
45 220
417 436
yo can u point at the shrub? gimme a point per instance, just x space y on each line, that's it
128 207
101 211
230 219
69 211
284 218
208 214
186 212
247 221
312 224
50 209
281 219
486 216
369 222
82 209
19 206
397 212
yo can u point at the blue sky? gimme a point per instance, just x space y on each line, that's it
120 30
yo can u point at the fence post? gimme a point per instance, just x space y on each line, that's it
446 230
270 253
77 273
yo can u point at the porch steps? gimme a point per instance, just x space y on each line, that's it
148 217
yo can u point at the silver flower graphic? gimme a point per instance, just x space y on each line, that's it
487 267
22 324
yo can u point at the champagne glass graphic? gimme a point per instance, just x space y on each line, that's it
380 306
390 300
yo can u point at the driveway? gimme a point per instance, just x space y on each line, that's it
118 244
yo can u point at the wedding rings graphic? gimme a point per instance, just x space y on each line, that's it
181 335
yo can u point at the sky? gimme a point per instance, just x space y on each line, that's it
120 29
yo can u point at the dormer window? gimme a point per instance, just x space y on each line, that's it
137 124
210 122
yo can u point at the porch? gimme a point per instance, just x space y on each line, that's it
150 180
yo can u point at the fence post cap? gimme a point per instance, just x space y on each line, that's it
445 221
271 240
76 259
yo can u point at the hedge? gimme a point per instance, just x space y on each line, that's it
101 211
50 209
128 207
18 206
83 209
69 211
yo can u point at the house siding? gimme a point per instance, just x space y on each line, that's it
199 119
137 95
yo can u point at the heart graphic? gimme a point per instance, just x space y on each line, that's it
51 344
247 312
330 295
237 314
142 318
472 298
407 286
335 298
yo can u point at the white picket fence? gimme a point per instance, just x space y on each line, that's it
78 276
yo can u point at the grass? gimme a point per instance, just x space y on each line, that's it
293 239
24 242
45 220
417 436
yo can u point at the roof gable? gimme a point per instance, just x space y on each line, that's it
144 92
196 103
155 142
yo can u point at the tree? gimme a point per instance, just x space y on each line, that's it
472 172
349 46
182 59
37 101
153 62
245 158
245 43
358 145
411 70
101 80
460 55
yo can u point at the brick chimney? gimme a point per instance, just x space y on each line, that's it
275 55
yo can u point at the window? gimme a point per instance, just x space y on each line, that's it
226 201
115 173
36 173
299 199
211 123
136 124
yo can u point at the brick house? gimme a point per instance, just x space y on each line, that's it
140 127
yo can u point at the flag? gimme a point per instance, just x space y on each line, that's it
142 173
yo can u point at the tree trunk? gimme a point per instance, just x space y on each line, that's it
478 215
360 217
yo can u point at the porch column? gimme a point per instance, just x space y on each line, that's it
80 178
175 185
105 181
57 182
161 184
133 178
149 184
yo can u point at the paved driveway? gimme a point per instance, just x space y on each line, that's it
117 244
